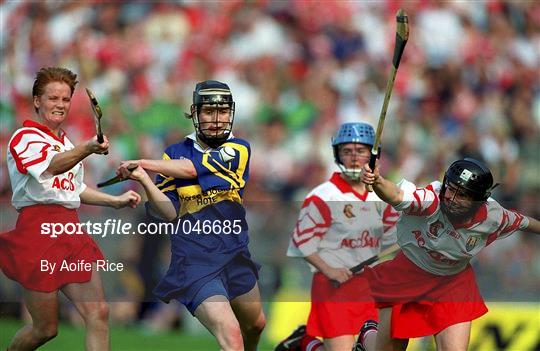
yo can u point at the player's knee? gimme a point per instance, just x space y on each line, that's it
46 332
232 338
257 328
102 312
97 312
261 323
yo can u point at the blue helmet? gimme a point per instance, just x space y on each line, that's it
358 132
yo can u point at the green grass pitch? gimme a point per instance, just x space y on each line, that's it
122 339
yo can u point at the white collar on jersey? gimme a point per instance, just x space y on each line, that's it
198 147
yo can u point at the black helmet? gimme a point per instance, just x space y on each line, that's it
211 92
472 176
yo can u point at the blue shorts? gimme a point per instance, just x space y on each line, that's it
237 278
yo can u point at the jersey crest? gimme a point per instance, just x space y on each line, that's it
435 229
347 211
471 242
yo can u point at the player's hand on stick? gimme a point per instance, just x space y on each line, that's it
129 198
340 275
126 167
131 170
369 176
93 146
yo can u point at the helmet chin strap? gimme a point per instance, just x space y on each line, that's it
213 142
351 173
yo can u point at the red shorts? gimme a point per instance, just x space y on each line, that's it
339 311
423 303
24 249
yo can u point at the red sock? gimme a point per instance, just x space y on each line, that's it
310 343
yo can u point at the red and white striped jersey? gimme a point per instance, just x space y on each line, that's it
341 225
433 243
29 154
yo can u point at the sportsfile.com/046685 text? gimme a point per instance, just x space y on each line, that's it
120 227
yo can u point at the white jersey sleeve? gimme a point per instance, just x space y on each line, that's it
30 152
508 221
418 202
313 222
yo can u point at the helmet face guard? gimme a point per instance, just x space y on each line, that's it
359 133
471 178
212 112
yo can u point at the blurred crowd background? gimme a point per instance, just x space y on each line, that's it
468 85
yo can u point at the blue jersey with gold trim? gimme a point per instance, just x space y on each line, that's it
212 227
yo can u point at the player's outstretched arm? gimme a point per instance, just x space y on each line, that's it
183 169
159 203
385 189
533 227
97 198
64 161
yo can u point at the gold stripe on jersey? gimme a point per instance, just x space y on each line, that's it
169 188
193 199
166 179
223 172
165 183
242 164
236 179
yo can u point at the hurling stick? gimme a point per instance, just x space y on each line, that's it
356 269
97 116
402 35
117 179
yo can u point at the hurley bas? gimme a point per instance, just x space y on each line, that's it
81 266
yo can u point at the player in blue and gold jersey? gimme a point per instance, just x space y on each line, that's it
200 187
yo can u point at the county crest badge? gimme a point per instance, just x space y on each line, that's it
471 242
347 210
434 229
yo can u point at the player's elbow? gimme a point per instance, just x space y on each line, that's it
171 218
169 215
162 211
191 172
392 196
53 170
184 169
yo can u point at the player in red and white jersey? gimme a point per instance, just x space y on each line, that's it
340 225
46 175
30 152
430 287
